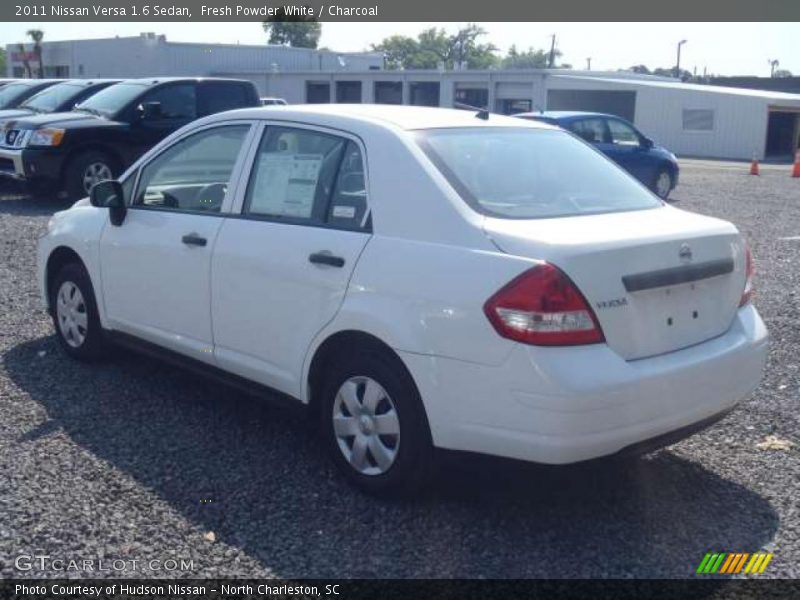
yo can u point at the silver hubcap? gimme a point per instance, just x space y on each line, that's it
366 425
95 173
73 320
663 184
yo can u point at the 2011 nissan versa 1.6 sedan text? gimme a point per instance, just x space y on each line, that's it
418 278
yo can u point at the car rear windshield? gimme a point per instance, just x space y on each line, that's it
113 99
525 173
51 98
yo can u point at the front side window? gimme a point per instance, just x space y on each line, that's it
525 173
591 130
622 133
111 100
177 101
51 98
303 176
192 175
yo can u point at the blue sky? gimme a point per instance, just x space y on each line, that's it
722 48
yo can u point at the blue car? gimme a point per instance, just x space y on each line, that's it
654 166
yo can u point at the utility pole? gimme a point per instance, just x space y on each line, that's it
552 60
678 62
588 63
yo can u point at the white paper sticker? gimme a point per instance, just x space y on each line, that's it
344 212
285 184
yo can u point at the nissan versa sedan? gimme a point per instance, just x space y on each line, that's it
417 278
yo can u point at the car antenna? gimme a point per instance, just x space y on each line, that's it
482 113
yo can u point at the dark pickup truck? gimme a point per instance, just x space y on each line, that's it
56 98
68 152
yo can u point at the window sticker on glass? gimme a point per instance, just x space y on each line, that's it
286 184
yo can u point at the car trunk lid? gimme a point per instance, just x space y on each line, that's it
658 280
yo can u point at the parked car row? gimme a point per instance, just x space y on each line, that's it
72 134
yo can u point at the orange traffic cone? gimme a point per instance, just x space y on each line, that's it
796 169
754 167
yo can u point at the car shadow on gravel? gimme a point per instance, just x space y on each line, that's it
258 478
14 200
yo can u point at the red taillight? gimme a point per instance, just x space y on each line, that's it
543 307
750 270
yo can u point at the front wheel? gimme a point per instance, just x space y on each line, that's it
85 170
662 185
74 312
374 424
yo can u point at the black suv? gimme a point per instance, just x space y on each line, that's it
69 152
16 92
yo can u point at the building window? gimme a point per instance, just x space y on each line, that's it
18 73
424 93
513 107
388 92
472 97
348 92
318 93
695 119
56 71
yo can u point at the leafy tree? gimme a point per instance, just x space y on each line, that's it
782 73
3 66
25 62
36 36
296 31
434 47
530 59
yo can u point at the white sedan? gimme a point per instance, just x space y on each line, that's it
417 278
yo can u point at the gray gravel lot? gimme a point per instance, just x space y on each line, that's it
136 460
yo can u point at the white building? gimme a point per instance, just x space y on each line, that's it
689 119
149 55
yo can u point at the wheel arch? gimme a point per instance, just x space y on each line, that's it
58 258
341 341
92 147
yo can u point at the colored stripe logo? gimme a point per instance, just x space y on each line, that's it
731 563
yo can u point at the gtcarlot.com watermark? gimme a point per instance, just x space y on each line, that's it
47 563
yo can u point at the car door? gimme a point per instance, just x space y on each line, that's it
625 147
155 267
176 106
280 270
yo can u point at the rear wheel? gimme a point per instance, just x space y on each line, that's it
374 424
74 311
662 185
85 170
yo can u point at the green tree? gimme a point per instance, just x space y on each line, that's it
36 36
434 47
3 64
23 52
528 59
296 31
782 73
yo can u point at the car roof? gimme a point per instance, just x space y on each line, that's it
91 82
159 80
398 116
563 114
36 82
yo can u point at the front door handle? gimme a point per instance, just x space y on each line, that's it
325 258
193 239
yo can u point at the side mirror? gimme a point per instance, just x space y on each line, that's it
647 143
109 194
150 111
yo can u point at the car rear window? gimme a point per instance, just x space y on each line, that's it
525 173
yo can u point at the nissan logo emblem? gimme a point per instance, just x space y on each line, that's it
685 253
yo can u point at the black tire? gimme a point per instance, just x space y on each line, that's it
78 167
92 347
414 455
663 174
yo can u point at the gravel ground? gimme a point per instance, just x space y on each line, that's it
132 460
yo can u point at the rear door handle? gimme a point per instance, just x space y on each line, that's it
192 239
325 258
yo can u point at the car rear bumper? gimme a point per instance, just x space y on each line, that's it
563 405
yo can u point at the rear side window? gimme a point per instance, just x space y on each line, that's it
178 101
623 134
307 177
525 173
216 97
